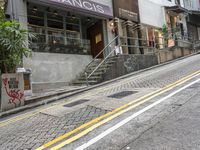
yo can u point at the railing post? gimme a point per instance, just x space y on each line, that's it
86 79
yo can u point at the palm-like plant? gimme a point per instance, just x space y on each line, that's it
13 44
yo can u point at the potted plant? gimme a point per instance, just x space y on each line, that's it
165 35
13 46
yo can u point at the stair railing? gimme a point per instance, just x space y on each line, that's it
116 42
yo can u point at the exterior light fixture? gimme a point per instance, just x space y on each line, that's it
111 24
88 19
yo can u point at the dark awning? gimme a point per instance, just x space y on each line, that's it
194 12
86 6
177 9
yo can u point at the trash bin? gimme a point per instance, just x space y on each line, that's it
27 80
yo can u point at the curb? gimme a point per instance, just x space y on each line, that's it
59 95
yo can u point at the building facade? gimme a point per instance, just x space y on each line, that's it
193 19
68 35
127 25
158 14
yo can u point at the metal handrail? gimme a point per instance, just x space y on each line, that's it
102 51
86 74
101 63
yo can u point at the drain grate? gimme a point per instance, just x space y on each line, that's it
76 103
122 94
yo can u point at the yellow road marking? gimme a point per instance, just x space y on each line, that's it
153 94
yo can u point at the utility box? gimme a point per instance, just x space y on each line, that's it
12 91
27 73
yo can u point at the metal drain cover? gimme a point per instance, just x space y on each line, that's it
122 94
76 103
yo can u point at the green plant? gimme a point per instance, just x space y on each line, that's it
13 44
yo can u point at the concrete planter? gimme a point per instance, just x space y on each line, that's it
12 91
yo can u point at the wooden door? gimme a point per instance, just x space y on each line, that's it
95 34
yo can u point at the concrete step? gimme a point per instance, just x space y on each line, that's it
95 74
91 82
91 78
102 69
96 77
102 66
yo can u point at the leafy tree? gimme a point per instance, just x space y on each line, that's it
13 44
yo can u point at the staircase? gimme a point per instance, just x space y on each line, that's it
97 76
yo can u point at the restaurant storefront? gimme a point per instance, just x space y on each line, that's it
69 34
68 26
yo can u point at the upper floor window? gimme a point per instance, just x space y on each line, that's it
188 3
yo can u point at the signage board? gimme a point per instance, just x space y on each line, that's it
82 5
128 10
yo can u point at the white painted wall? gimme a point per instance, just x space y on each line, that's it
192 4
163 2
52 67
152 11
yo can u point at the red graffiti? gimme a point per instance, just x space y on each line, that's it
15 95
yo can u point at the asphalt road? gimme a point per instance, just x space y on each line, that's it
155 109
173 124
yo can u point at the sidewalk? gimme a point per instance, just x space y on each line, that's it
38 99
50 93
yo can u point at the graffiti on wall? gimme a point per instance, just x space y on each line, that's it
12 91
131 64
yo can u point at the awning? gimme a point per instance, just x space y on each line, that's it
178 9
193 12
86 6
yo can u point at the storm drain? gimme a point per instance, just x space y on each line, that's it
76 103
122 94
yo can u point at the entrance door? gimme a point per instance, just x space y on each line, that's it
95 34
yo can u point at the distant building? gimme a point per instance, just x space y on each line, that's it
193 19
156 14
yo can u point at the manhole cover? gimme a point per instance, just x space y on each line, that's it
122 94
76 103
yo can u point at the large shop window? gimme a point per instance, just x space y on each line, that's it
56 33
35 18
54 21
73 24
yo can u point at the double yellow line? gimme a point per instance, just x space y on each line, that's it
91 125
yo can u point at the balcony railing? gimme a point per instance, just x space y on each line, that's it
60 44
